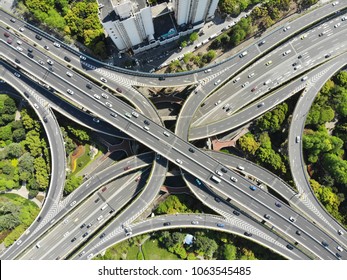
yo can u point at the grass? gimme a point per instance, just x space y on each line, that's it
152 251
85 159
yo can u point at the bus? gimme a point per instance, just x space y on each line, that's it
216 179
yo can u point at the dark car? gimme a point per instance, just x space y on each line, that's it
166 223
217 199
290 247
103 189
126 167
161 78
119 90
102 235
89 86
73 239
298 232
146 122
278 204
236 213
17 60
325 244
30 50
85 234
30 55
6 34
38 37
248 234
83 225
267 216
26 94
45 119
220 225
67 59
327 55
97 200
224 170
191 150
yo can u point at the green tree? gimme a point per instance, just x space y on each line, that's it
19 134
205 246
229 252
193 37
72 183
342 78
26 163
15 150
248 143
10 106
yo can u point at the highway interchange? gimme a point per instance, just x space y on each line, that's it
64 219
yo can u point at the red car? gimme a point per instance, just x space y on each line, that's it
103 189
253 89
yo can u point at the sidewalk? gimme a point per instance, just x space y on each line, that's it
25 193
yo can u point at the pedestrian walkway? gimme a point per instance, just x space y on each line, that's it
23 192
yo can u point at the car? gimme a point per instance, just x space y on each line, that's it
128 233
46 48
41 62
67 59
303 36
286 28
226 106
218 102
299 56
103 235
89 225
19 242
9 41
113 114
221 225
217 199
30 55
19 42
13 20
254 89
69 91
38 37
268 63
56 44
260 104
286 52
224 170
103 79
337 25
166 224
278 204
30 50
243 54
167 134
240 167
137 178
247 233
339 248
146 122
298 232
251 75
335 3
253 188
19 48
85 234
291 219
36 106
179 161
297 139
290 247
219 173
127 167
96 96
83 225
327 55
245 84
198 181
100 217
135 114
338 256
73 239
236 80
236 213
16 74
207 70
261 43
89 86
325 244
321 34
21 29
191 150
344 18
267 216
104 95
217 82
6 34
17 60
96 120
161 78
50 62
119 90
340 232
69 74
127 115
108 104
103 189
37 245
97 200
73 203
26 94
83 57
194 222
233 179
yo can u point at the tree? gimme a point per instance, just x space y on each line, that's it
7 169
5 133
248 143
72 183
19 134
15 150
26 163
342 78
10 106
229 252
193 37
205 246
183 44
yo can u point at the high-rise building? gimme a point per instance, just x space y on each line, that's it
131 25
194 11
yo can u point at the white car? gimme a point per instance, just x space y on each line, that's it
108 104
135 114
207 70
217 82
103 79
179 161
251 75
268 63
46 47
21 29
19 48
96 120
339 248
245 84
56 44
69 74
233 179
36 106
335 3
218 102
337 25
96 96
237 79
50 62
83 57
104 95
286 28
69 91
287 52
16 74
291 219
73 203
19 42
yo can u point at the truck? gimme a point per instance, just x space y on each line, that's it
216 179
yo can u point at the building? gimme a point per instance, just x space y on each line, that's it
191 12
130 25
